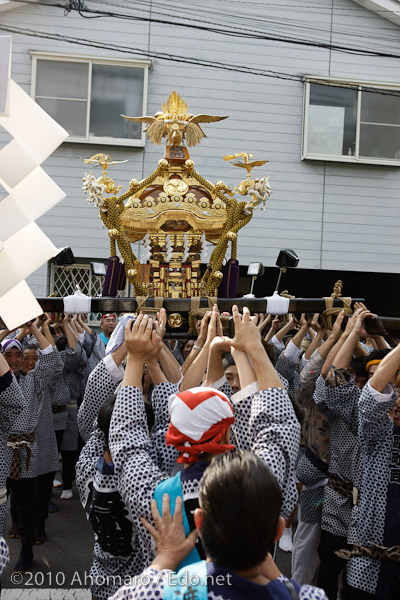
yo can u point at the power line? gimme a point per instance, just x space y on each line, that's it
232 31
194 61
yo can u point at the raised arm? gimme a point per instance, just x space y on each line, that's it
71 340
164 456
317 340
129 439
201 340
273 426
193 377
386 371
46 329
102 382
354 330
247 339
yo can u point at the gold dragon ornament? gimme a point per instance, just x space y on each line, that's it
175 211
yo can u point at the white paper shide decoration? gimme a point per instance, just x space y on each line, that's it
24 247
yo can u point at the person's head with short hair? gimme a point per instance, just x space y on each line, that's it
61 342
106 410
108 323
231 373
12 352
104 415
239 515
29 358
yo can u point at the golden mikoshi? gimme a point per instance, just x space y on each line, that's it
175 211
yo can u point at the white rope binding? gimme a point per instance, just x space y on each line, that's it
77 304
277 305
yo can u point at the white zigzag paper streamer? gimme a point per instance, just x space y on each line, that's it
146 249
169 248
31 194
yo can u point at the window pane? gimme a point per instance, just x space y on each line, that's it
115 91
71 114
58 79
380 108
331 120
380 141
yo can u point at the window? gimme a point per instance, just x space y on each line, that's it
351 122
87 96
63 282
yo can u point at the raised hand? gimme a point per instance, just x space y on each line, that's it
138 337
246 333
160 324
169 534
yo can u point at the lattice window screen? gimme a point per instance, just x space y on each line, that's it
63 281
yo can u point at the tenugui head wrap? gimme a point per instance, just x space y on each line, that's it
8 344
370 363
108 315
198 420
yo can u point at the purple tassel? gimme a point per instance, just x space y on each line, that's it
122 277
112 277
228 287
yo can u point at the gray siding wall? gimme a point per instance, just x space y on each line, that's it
336 216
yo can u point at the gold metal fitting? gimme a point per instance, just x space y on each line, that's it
133 183
231 235
175 320
113 234
189 164
132 273
163 163
218 276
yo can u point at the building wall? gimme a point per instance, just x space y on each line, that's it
336 216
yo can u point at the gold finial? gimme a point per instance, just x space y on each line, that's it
176 123
249 166
104 160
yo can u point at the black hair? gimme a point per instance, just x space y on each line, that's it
357 367
374 355
30 347
270 350
228 361
106 410
61 343
104 415
241 501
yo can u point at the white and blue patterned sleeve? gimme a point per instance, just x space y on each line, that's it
87 463
374 422
165 456
335 396
102 382
287 366
275 433
12 401
4 555
48 370
136 473
149 586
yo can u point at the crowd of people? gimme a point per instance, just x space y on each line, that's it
194 459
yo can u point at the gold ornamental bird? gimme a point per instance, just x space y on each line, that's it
249 166
176 123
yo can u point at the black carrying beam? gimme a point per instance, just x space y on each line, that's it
183 305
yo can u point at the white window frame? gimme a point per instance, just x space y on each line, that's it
90 60
93 287
358 85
